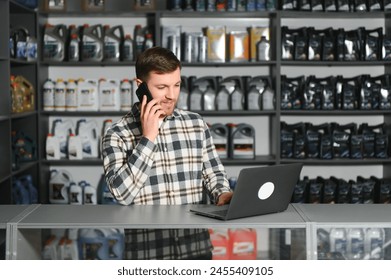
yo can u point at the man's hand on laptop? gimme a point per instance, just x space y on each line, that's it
224 198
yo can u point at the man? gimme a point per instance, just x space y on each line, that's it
158 154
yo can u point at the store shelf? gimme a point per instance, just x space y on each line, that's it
24 167
216 14
331 15
339 161
334 63
67 162
16 7
15 116
334 112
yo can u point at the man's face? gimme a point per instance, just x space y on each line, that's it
165 88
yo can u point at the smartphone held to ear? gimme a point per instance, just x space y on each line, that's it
143 90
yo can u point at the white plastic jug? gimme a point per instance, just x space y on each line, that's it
88 133
59 183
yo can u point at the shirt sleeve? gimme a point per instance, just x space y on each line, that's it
215 176
126 170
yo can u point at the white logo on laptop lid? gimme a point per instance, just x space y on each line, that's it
266 190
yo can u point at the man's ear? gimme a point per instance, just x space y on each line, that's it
138 81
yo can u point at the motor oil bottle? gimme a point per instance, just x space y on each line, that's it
242 141
31 49
48 95
338 241
183 99
113 39
355 239
75 150
196 99
62 129
17 97
89 195
116 243
59 183
223 99
74 51
88 95
27 182
28 92
243 244
109 95
148 42
234 85
52 147
92 245
87 131
75 194
20 36
59 95
263 49
128 48
374 242
139 39
71 96
126 95
220 242
237 99
268 99
54 42
220 133
208 85
92 43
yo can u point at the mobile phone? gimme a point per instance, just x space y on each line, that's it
143 90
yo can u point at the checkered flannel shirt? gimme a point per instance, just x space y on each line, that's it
172 170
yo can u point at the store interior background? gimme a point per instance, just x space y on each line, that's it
263 125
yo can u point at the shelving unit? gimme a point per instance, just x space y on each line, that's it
267 123
15 15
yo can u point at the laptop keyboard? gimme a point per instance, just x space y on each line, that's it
220 212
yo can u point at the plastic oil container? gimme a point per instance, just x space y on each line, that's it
221 247
59 184
126 95
75 194
92 245
113 39
48 95
92 43
90 195
71 96
88 95
19 36
237 99
209 99
183 99
242 141
87 131
243 244
28 93
75 150
52 147
223 99
109 95
196 99
128 48
59 95
62 129
220 133
54 42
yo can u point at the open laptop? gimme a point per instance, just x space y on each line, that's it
258 191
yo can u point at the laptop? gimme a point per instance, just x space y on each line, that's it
258 191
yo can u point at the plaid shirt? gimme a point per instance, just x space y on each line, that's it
172 170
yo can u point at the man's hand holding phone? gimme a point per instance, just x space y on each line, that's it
150 114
